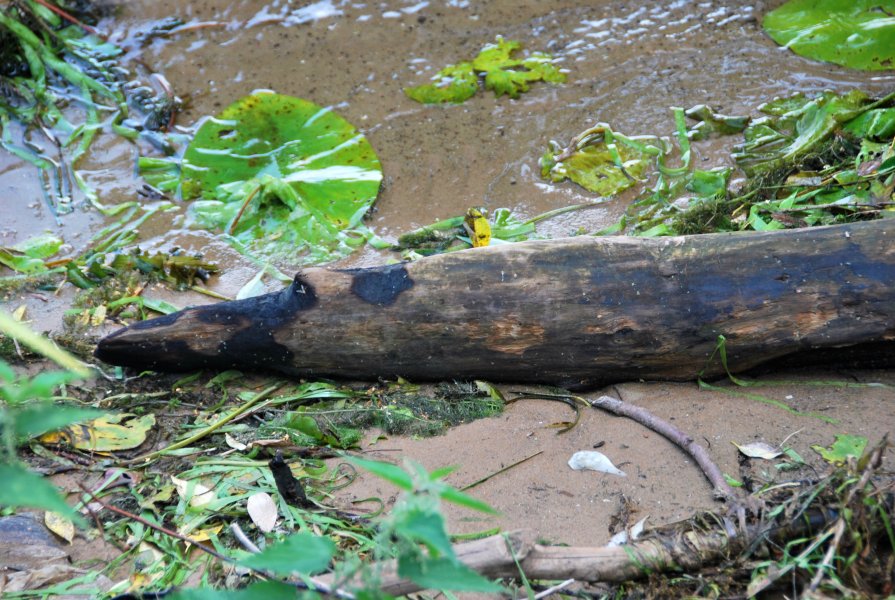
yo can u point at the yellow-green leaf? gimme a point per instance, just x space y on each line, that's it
61 526
109 433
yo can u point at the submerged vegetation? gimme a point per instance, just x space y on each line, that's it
60 84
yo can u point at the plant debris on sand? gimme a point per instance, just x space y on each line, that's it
232 482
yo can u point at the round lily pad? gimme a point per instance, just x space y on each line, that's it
854 33
286 177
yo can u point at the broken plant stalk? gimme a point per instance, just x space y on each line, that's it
262 395
678 547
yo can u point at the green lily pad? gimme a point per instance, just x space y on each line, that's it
285 177
853 33
878 124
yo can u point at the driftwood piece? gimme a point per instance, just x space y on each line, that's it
679 438
575 312
676 547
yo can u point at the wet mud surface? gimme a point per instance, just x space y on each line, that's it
584 507
628 63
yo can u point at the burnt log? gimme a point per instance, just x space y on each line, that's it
574 312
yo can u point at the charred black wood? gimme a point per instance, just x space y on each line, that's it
574 312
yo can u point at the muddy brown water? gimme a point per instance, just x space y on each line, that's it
628 63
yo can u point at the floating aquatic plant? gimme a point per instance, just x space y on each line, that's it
502 72
287 179
853 33
809 161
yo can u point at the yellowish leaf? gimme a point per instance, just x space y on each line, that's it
59 525
84 317
98 316
204 534
108 433
139 581
19 313
477 227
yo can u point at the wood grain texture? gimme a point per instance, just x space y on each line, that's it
575 312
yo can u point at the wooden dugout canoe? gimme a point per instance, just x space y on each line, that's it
575 312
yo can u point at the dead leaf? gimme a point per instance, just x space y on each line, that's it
759 450
108 433
59 525
478 228
284 442
263 511
193 491
233 443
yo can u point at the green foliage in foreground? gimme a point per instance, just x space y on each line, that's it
413 534
501 71
27 409
853 33
414 530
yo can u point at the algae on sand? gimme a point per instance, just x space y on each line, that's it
396 409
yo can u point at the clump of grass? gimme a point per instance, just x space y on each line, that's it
838 152
820 536
411 410
406 409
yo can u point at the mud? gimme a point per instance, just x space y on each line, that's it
628 62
